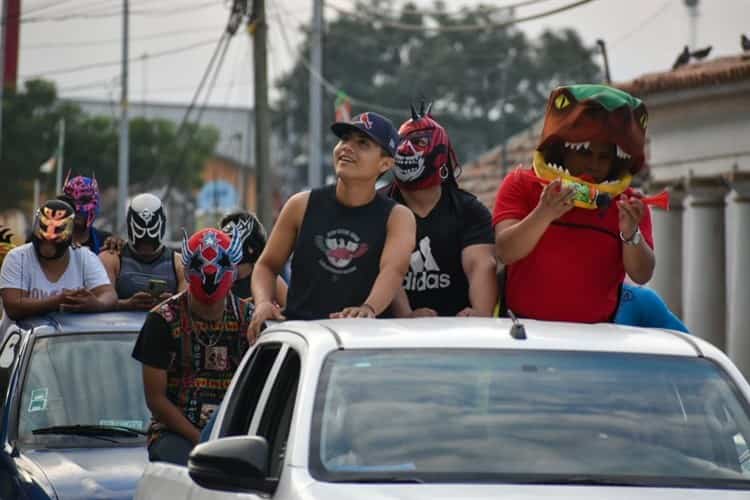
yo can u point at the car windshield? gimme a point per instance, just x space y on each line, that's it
82 380
531 417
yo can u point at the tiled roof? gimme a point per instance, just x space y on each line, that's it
483 175
721 70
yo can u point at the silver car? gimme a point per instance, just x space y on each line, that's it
472 408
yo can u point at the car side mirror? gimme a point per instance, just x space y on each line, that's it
238 464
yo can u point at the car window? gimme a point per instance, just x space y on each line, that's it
86 379
524 416
9 351
277 415
244 399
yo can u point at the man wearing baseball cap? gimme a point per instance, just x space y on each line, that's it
351 246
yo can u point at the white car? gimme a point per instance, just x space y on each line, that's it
473 409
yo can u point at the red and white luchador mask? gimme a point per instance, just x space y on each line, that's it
424 157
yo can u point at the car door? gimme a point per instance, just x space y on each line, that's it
11 352
248 389
271 415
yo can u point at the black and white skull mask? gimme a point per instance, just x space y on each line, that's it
146 219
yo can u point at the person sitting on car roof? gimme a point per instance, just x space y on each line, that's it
50 274
144 262
351 245
191 344
570 228
452 269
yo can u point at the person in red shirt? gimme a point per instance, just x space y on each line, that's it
570 228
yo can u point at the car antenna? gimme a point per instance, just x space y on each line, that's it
517 330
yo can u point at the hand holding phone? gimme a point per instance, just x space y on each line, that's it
156 287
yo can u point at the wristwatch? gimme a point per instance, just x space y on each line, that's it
633 240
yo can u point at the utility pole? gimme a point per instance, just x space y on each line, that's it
4 20
603 49
263 179
314 177
692 6
124 144
60 155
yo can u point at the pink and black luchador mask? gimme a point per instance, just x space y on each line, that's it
210 259
85 194
425 156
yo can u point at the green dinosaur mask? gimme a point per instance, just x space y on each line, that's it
580 114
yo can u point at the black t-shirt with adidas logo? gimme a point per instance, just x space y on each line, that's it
436 277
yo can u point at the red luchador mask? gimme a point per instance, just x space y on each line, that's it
425 156
210 259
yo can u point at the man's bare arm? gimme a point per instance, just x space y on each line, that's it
515 239
111 262
155 389
19 305
394 261
480 267
278 249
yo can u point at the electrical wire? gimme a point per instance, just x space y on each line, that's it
328 86
484 8
113 41
392 23
187 9
104 64
48 5
221 48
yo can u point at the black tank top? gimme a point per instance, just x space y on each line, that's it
337 254
135 273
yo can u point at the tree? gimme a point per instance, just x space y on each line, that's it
487 84
30 137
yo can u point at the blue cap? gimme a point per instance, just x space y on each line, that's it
375 126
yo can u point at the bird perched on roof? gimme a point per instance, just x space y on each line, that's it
745 42
686 55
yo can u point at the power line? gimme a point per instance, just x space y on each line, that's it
53 3
392 23
95 84
236 14
112 41
330 87
187 9
443 13
104 64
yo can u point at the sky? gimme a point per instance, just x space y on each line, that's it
171 41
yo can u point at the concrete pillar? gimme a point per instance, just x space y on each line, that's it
704 298
738 330
667 279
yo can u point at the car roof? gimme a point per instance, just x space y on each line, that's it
61 323
494 333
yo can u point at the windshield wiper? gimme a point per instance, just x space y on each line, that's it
90 430
585 480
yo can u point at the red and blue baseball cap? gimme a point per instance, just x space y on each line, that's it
376 127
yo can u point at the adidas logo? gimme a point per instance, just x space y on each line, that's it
424 272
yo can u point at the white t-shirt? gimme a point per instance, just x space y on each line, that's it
21 270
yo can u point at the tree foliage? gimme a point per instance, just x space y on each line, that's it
486 84
30 137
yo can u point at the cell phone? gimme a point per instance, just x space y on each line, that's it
156 287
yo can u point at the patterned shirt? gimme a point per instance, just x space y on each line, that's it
200 356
